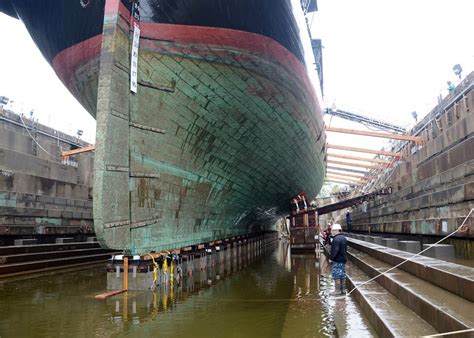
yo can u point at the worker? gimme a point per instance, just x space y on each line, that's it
451 87
327 235
349 221
338 259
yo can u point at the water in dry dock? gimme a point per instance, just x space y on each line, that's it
277 295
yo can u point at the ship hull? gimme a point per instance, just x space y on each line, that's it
224 129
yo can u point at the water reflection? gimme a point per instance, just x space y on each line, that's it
256 293
310 314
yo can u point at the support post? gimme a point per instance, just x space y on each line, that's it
125 273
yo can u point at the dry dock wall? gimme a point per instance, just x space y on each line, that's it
433 184
40 195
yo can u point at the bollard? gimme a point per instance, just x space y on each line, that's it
409 246
443 252
378 240
390 242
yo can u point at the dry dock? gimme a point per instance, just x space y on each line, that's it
248 285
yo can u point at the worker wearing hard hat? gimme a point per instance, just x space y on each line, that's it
338 259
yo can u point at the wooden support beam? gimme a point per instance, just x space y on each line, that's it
342 179
375 167
353 178
354 171
347 177
356 158
77 151
364 150
416 139
333 172
342 182
106 295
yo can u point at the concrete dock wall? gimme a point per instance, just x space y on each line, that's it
39 193
433 184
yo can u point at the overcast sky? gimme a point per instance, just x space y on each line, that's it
386 59
29 80
392 57
381 58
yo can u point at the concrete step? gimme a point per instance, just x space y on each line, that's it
63 240
37 256
350 321
454 278
16 250
442 309
20 268
57 212
66 228
25 241
388 315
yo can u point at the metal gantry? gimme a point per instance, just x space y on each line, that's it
367 121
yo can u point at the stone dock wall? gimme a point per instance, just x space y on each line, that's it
433 183
40 194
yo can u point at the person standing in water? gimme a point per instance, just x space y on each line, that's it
338 259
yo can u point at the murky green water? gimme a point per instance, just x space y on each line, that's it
276 296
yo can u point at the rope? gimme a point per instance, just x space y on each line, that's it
268 300
311 24
155 272
21 118
450 333
461 228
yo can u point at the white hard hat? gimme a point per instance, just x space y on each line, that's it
336 227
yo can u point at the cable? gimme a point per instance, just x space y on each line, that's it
366 121
52 156
450 333
155 272
460 228
267 300
312 19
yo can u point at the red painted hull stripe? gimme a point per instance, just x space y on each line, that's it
67 61
233 39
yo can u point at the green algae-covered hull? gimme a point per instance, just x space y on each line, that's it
224 128
215 142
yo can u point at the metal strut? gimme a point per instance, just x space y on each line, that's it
366 120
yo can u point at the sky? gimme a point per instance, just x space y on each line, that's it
386 59
389 58
28 80
382 59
